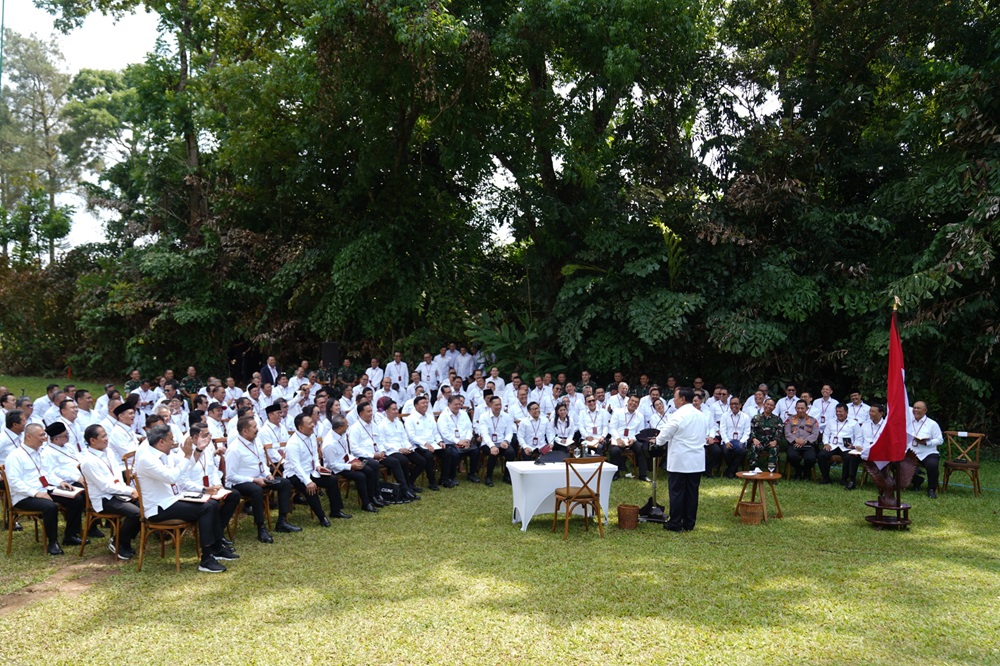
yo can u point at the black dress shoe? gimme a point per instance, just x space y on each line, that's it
226 543
435 487
94 532
125 554
17 526
850 486
341 515
72 541
379 502
489 482
264 536
474 479
54 549
412 496
324 521
932 493
671 529
506 479
370 508
284 526
225 554
446 483
299 499
416 489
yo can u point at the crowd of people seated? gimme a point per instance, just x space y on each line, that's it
201 449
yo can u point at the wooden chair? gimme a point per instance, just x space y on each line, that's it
128 459
91 517
963 458
587 494
13 513
175 528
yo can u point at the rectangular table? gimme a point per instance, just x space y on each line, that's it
534 488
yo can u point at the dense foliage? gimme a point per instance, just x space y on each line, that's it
735 189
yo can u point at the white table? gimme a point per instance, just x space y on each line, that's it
534 488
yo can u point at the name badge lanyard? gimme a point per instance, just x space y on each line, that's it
41 477
593 421
260 465
736 425
836 435
631 416
496 426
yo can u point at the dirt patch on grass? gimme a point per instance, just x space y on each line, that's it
71 581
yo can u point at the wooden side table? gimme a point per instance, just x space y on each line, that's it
757 480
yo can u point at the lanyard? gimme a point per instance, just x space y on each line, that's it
840 426
32 459
563 427
876 433
735 418
923 422
253 450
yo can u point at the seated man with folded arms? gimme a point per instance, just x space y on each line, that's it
496 430
205 477
32 485
534 434
927 437
801 433
108 493
160 476
625 424
307 475
592 424
455 429
339 459
734 429
839 437
396 444
421 431
247 472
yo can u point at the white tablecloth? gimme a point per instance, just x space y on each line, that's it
534 488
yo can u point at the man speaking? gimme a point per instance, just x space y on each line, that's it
685 432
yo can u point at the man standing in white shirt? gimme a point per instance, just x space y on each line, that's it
927 437
442 363
430 379
785 408
685 431
397 371
375 373
857 410
464 364
496 429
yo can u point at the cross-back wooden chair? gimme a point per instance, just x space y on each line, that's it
12 513
91 517
586 494
128 459
963 456
175 528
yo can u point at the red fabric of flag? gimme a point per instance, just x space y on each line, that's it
891 443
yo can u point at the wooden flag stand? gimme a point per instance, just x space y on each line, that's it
882 520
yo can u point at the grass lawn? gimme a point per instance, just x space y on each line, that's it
35 386
450 580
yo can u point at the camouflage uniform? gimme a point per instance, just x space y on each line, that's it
765 429
346 375
191 385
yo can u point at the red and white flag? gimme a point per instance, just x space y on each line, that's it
890 445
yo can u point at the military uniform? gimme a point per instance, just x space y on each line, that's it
765 429
346 375
131 385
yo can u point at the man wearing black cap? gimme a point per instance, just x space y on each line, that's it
108 493
122 437
273 432
247 472
31 486
63 461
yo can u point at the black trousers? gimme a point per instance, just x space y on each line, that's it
255 495
413 465
507 454
229 505
713 455
130 513
454 454
205 514
851 464
428 464
50 515
683 487
365 481
825 460
802 459
616 454
395 467
930 463
734 457
327 483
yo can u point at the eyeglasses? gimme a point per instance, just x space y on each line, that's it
591 400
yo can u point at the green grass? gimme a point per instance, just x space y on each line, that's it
35 386
450 580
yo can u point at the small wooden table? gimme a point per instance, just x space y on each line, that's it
757 479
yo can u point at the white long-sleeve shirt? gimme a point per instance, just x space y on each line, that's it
122 439
363 439
926 428
301 458
422 430
454 428
626 425
734 426
160 477
533 434
392 435
26 471
245 461
592 423
685 430
375 375
563 430
104 477
495 429
62 462
398 373
336 454
837 431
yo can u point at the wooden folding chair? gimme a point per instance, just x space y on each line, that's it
585 495
175 528
963 458
13 513
128 459
90 517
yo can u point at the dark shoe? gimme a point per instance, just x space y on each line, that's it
416 489
73 541
412 496
54 549
324 522
379 502
506 479
917 482
435 487
825 482
226 542
299 499
931 493
227 554
474 479
447 483
17 526
284 526
341 515
489 482
850 486
94 532
370 508
667 527
210 565
616 476
264 536
126 554
646 478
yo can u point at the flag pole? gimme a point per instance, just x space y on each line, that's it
895 465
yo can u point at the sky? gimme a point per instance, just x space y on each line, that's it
99 43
